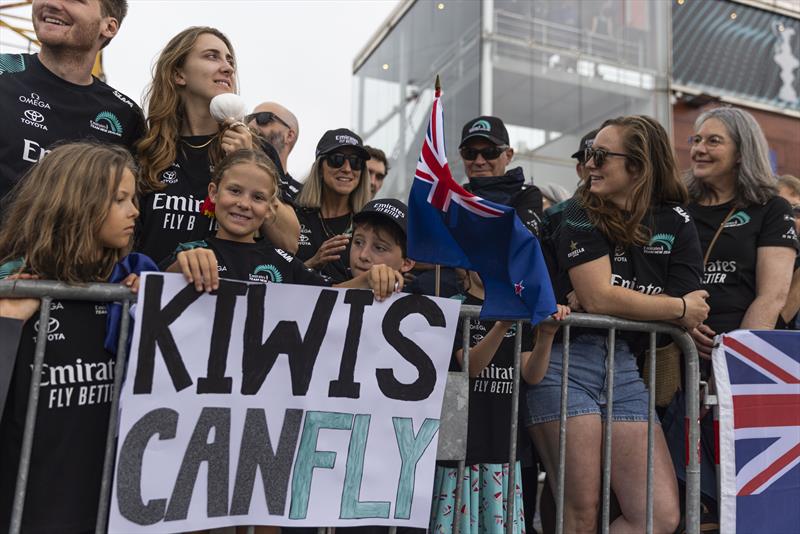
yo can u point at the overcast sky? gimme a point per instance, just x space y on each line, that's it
296 52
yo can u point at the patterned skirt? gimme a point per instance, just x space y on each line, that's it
483 500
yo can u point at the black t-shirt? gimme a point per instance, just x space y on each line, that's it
173 215
72 421
314 230
490 392
730 273
39 109
254 262
670 263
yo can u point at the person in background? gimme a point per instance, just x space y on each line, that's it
747 238
623 246
279 128
71 237
52 96
184 142
552 194
378 168
789 188
336 188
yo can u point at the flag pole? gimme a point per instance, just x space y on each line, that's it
438 274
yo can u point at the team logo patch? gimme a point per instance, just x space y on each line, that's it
481 126
34 100
266 273
107 122
660 244
10 63
169 177
739 218
32 117
52 330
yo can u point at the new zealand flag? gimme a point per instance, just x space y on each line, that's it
449 226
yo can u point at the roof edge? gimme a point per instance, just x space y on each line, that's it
380 34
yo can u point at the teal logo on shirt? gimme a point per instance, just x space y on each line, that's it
266 273
11 63
107 122
739 218
660 244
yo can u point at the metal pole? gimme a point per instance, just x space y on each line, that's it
511 492
460 474
113 419
30 418
651 427
607 437
692 388
562 435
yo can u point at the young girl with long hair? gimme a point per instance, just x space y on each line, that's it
70 219
244 190
622 246
184 143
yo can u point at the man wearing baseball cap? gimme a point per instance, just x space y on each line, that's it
486 152
580 154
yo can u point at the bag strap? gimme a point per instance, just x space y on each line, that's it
719 231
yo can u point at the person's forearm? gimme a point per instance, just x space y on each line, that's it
535 363
482 353
630 304
284 231
792 305
762 314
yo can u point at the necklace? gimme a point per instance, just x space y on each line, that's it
328 232
197 147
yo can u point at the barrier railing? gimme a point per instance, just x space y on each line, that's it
47 291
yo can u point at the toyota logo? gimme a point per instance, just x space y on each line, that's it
169 175
52 325
33 115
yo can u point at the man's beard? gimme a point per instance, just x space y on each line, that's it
277 141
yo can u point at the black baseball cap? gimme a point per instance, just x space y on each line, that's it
586 142
386 208
341 137
485 127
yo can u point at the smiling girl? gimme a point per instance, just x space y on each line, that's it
71 220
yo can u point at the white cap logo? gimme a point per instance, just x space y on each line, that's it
346 140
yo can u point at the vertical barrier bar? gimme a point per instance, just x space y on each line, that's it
392 530
30 418
512 448
692 388
608 424
460 473
562 434
651 433
250 530
322 530
113 420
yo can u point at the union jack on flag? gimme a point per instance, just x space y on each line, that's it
448 225
758 386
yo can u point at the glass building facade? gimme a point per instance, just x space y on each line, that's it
551 70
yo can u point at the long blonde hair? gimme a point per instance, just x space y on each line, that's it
311 194
651 157
165 113
57 209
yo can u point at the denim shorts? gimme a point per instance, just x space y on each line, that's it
586 390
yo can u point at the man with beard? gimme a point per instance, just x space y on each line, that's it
280 129
51 96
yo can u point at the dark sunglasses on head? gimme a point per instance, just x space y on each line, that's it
490 152
599 155
263 118
337 159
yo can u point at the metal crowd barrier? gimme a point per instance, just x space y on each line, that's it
47 291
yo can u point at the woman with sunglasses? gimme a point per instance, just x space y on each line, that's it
748 240
336 188
184 142
625 247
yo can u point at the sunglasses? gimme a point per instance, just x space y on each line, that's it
263 118
599 155
337 159
491 152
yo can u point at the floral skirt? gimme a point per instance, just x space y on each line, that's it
483 499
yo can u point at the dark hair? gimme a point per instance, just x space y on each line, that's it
381 224
378 154
650 155
114 8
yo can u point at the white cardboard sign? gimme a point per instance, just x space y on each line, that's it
275 404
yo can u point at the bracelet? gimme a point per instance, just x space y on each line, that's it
683 300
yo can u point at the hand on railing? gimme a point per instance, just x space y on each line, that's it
19 308
703 338
695 309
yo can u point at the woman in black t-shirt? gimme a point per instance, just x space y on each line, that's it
623 246
184 142
336 188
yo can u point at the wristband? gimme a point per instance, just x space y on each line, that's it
683 314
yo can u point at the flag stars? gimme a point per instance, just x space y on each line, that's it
519 288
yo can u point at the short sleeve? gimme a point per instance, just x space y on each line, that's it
578 240
686 260
778 228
